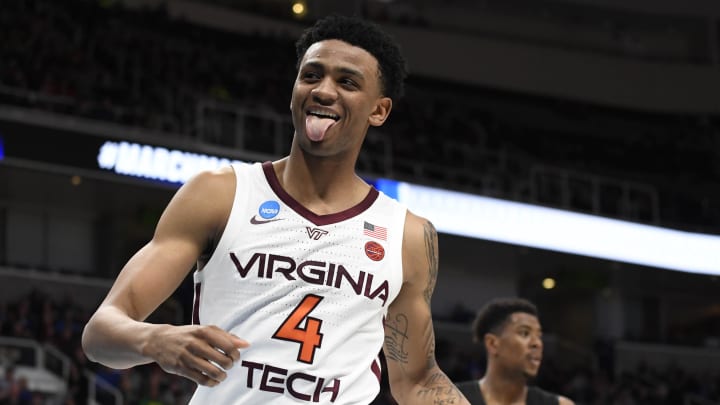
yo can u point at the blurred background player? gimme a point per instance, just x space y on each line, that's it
511 334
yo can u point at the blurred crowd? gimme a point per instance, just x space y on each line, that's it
142 69
134 68
59 323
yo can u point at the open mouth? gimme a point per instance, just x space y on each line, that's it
318 121
323 114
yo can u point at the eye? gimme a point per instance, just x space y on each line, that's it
311 76
348 83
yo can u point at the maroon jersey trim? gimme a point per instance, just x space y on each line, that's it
375 368
316 219
196 305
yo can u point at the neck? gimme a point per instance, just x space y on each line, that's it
323 185
504 390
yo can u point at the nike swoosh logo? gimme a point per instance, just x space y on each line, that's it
256 221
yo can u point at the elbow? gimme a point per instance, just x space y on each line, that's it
395 391
400 390
87 343
408 387
397 394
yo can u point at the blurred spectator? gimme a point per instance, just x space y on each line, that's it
7 386
21 394
141 68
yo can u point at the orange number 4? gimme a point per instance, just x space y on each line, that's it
309 336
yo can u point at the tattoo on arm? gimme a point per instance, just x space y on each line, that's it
395 337
431 362
432 256
438 389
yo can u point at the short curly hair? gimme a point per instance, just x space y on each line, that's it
491 318
363 34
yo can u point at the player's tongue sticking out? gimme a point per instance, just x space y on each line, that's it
316 127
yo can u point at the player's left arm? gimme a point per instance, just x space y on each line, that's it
413 373
565 401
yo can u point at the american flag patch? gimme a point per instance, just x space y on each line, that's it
375 231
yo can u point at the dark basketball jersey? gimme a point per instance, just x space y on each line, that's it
535 396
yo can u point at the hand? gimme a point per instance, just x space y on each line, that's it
195 352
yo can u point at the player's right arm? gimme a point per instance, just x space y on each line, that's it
565 401
116 334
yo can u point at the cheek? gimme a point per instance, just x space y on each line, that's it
520 345
297 94
296 101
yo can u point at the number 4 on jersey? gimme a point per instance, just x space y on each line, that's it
309 336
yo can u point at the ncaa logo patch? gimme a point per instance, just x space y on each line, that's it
269 209
374 251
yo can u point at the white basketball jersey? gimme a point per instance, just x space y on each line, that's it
309 292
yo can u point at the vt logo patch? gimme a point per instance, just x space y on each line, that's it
315 233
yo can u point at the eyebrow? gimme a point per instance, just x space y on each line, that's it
527 325
342 69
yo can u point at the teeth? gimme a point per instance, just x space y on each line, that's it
324 114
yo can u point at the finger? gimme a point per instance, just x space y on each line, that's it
222 359
200 378
225 342
206 349
206 367
210 361
239 343
228 349
233 355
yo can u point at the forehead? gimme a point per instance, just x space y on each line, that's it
342 54
523 319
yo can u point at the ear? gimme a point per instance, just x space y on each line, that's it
381 111
491 344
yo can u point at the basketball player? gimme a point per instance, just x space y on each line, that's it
303 271
511 334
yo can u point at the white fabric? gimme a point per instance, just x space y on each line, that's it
260 273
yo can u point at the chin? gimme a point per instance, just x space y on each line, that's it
530 375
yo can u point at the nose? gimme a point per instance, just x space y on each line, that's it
324 93
536 342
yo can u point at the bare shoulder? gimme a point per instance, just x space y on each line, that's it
202 205
221 180
565 401
416 228
420 252
212 187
